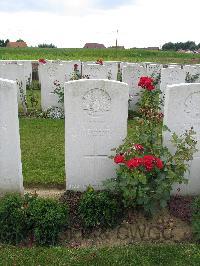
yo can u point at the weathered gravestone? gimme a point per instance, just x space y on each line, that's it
154 70
11 179
96 114
53 75
112 69
131 75
27 67
145 64
181 112
15 72
170 76
94 71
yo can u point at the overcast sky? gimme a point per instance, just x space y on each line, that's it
72 23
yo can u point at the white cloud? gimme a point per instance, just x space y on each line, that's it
144 23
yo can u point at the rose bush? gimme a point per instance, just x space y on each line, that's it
147 170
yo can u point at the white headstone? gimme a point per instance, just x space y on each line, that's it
51 74
94 71
181 112
154 70
112 69
145 64
131 75
15 72
27 71
170 76
96 113
27 67
11 179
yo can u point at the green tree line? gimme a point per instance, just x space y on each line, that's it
189 45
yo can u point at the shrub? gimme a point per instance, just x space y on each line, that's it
47 218
196 218
99 209
13 223
29 216
147 170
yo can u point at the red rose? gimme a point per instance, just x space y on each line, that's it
119 159
75 67
149 158
134 162
159 163
146 83
150 87
138 147
42 60
148 162
99 61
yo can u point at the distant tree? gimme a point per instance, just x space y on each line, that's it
168 46
3 43
6 41
19 40
189 45
45 45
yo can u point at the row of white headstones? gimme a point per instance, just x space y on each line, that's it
96 112
62 71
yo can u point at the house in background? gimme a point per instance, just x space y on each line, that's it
94 45
16 44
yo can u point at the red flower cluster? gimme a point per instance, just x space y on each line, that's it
134 162
75 67
146 83
99 61
138 147
42 60
147 161
150 161
119 159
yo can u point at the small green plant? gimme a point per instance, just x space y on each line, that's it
99 209
47 218
22 96
76 73
196 218
59 90
13 223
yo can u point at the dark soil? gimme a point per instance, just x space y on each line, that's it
180 207
72 198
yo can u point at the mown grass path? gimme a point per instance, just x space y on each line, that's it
144 255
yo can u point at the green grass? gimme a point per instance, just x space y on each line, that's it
139 255
129 55
42 146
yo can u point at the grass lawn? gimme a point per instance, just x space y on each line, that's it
144 255
126 55
42 146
